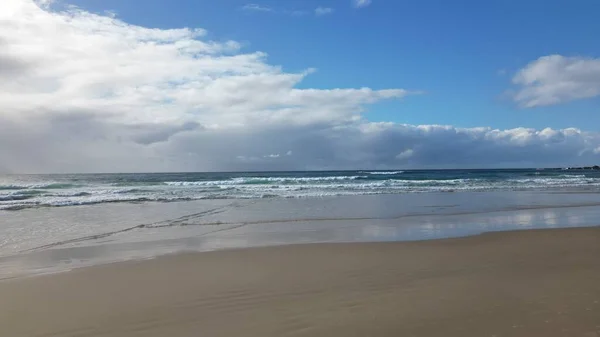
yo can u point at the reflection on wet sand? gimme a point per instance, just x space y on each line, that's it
222 225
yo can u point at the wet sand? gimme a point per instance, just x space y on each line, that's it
523 283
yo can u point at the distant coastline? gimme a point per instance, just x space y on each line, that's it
595 168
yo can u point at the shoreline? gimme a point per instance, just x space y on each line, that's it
76 237
271 223
566 190
539 282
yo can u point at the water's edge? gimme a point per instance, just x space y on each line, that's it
39 241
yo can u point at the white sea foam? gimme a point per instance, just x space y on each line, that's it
25 194
258 180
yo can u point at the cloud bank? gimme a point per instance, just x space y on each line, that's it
82 92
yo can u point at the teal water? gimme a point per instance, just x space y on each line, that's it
18 192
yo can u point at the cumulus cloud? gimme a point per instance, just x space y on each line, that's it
320 11
557 79
361 3
82 92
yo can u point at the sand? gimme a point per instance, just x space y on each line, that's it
524 283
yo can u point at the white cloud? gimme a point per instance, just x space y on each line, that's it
256 8
295 12
86 93
44 3
320 11
266 9
406 154
75 60
361 3
557 79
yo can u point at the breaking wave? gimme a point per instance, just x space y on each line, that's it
22 192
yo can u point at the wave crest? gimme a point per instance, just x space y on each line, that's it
386 173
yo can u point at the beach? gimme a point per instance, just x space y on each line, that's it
477 262
520 283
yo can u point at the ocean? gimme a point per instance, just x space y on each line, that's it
18 192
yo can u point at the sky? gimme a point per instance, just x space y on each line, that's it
230 85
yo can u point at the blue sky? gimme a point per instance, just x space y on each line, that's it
232 85
462 54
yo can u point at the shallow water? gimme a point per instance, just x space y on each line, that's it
40 240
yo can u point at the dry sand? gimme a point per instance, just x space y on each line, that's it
526 283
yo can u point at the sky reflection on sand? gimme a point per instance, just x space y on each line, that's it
197 226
